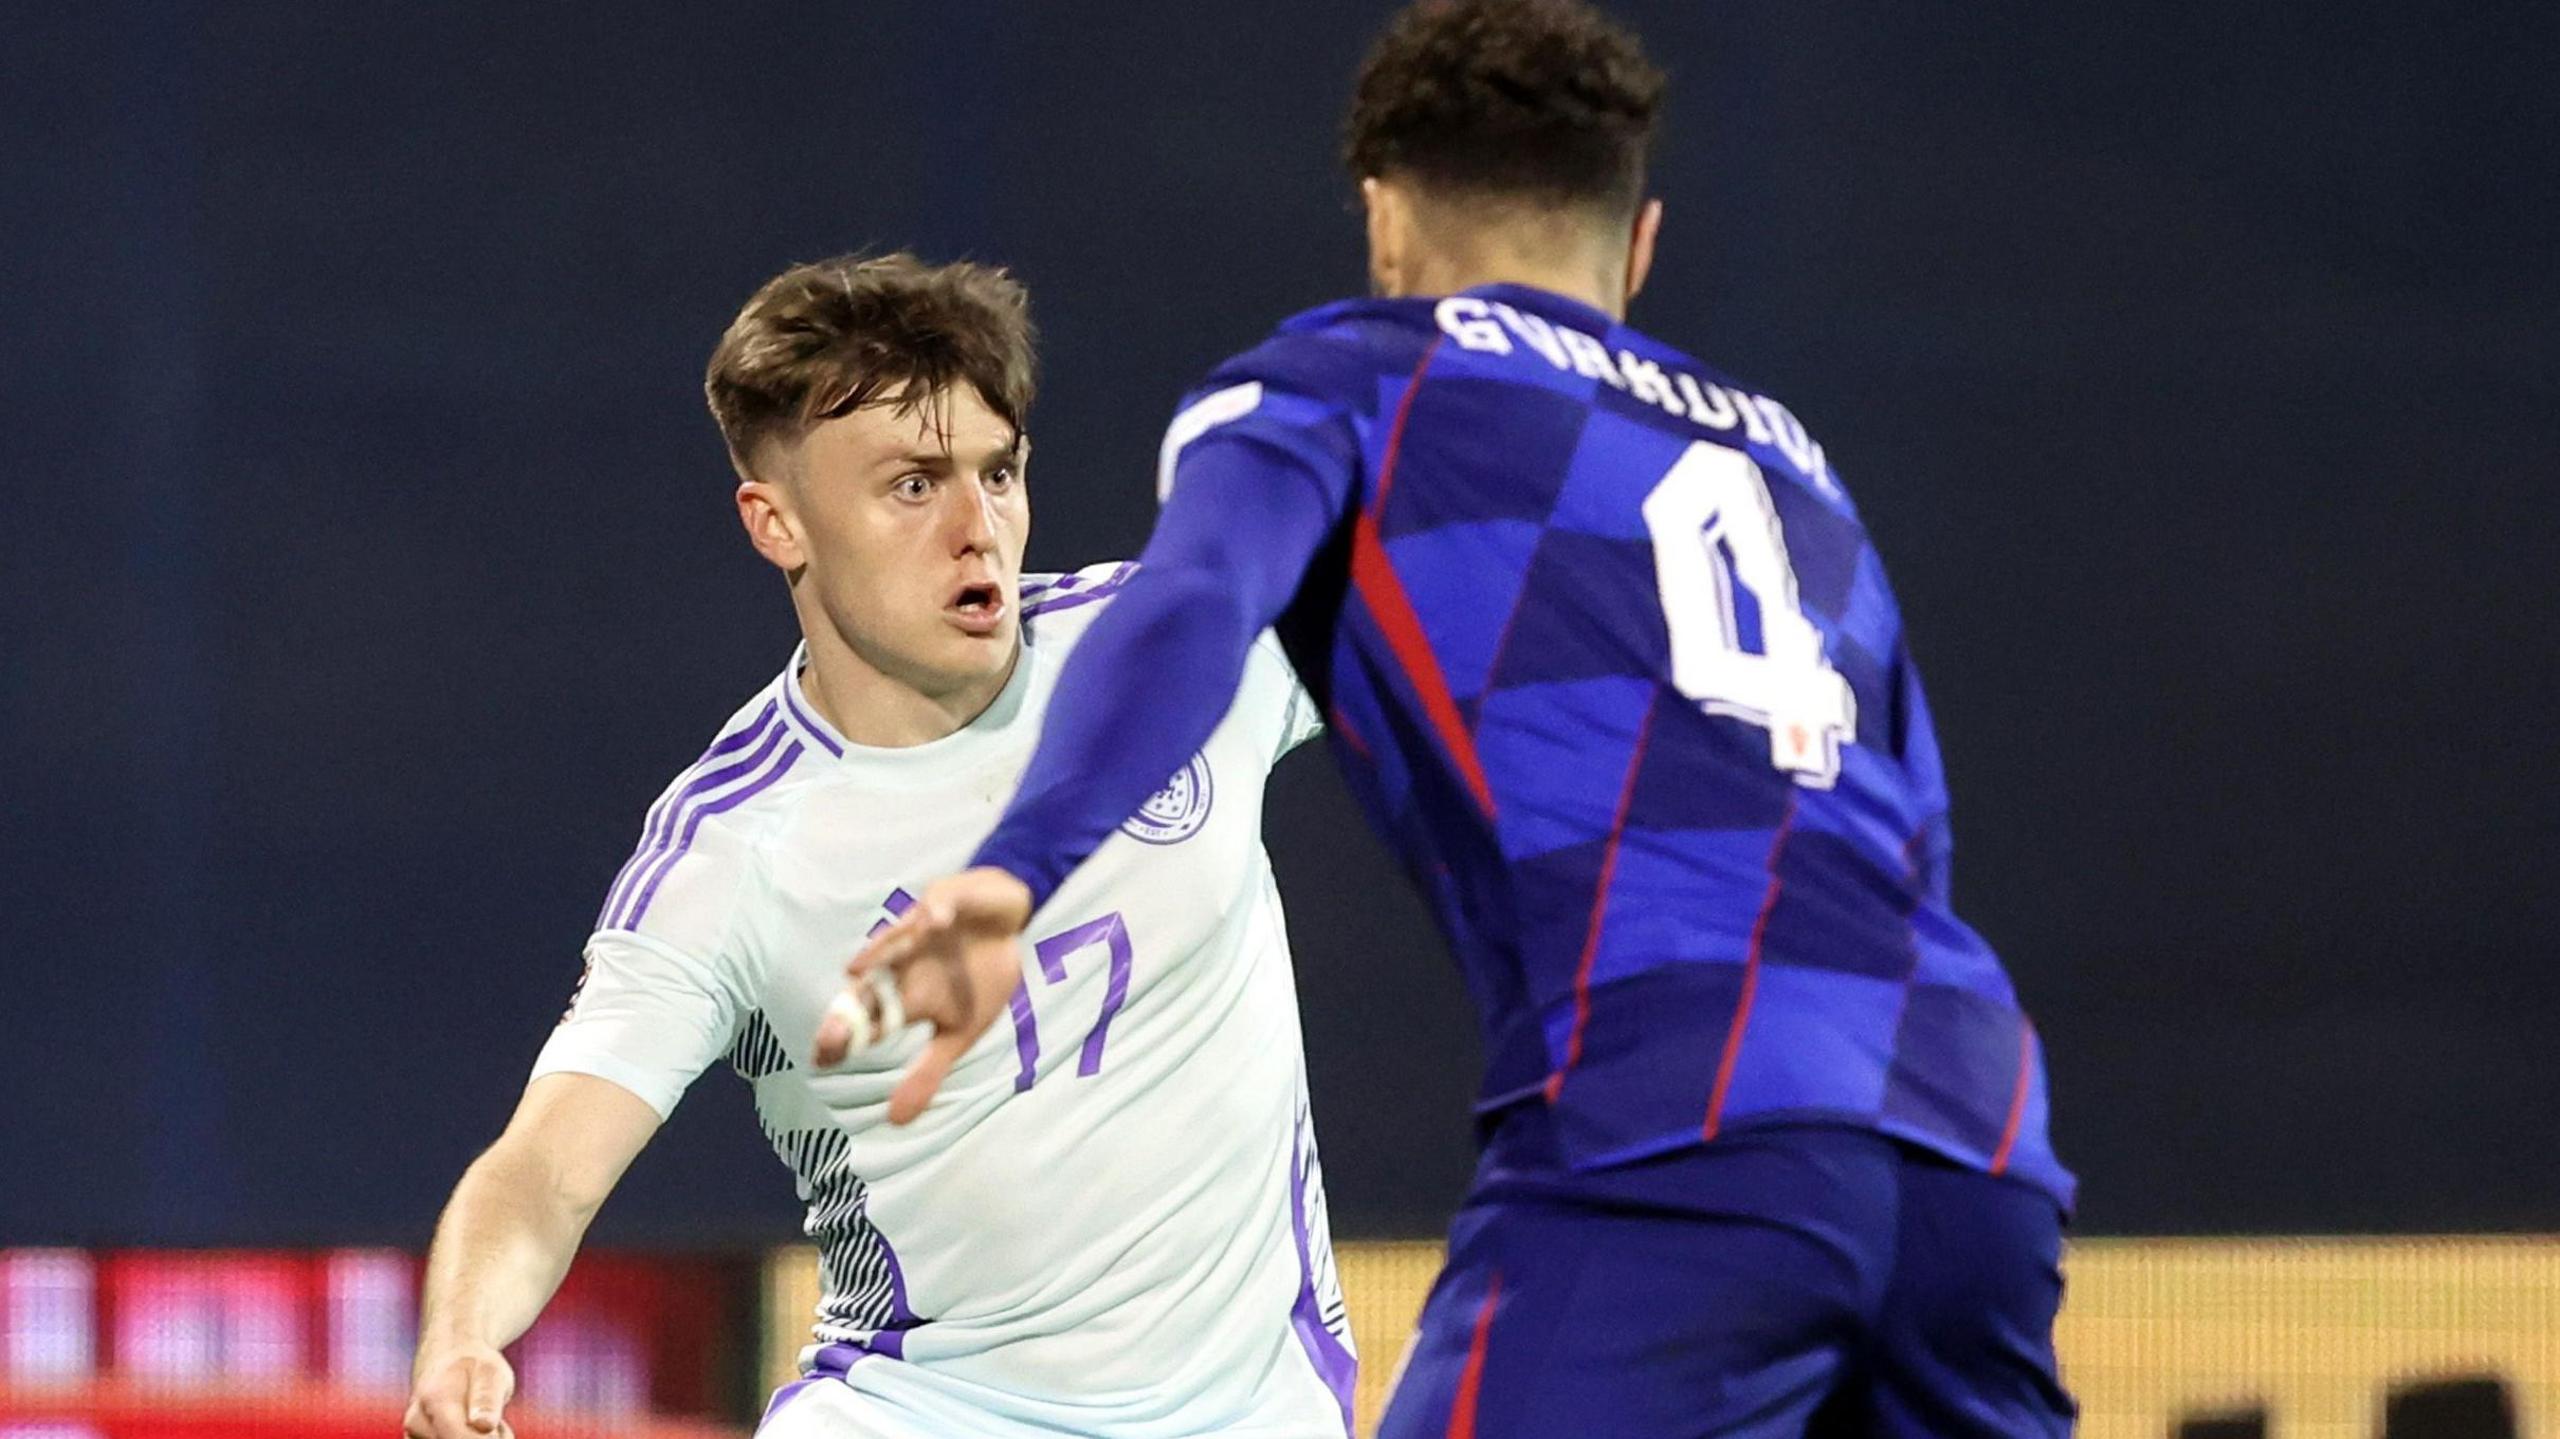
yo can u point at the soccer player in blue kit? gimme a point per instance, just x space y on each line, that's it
1610 662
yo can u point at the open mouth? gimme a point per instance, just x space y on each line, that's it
978 608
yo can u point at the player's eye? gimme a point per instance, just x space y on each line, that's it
912 487
999 478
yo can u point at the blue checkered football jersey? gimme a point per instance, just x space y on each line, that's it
1611 662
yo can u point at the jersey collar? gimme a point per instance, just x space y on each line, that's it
991 730
1546 304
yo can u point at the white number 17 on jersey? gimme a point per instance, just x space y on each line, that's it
1716 531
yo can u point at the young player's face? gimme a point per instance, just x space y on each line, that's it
910 527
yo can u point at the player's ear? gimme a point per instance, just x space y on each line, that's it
1385 208
766 517
1648 228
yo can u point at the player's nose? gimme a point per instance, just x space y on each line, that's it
972 518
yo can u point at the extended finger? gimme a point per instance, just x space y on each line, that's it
899 944
916 1089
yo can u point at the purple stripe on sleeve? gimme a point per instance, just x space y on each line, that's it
807 721
653 830
693 822
661 833
741 737
1053 602
1334 1363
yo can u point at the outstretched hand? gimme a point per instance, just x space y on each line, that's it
955 959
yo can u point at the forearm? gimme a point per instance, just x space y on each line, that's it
500 1251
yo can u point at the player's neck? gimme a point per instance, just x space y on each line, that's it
1590 281
880 711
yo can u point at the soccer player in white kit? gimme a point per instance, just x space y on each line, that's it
1110 1221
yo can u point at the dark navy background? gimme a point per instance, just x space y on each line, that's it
366 563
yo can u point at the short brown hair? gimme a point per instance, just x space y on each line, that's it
1539 99
826 338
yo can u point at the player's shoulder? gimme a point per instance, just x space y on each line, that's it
700 840
1336 353
1057 608
1673 386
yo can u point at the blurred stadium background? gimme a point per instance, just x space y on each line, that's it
366 566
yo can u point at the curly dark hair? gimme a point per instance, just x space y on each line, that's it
1542 99
826 338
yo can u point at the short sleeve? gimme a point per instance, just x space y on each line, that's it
646 1016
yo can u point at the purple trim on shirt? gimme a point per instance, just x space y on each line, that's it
899 1313
652 831
662 834
720 805
1056 584
832 1360
801 715
891 1340
1335 1364
1052 602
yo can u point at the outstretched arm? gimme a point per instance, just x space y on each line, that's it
1160 668
506 1240
1141 693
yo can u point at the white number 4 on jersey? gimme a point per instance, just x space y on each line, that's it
1715 529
